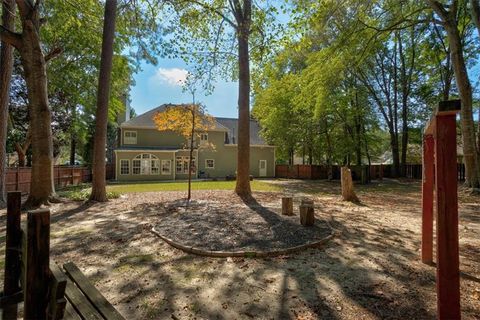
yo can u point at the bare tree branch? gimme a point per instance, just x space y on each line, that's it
10 37
53 54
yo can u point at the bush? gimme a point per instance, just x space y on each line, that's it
84 194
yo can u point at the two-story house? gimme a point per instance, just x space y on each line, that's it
145 153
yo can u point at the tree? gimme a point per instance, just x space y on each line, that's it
449 20
99 192
189 121
34 60
222 28
6 67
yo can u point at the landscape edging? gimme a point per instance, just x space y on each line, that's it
245 254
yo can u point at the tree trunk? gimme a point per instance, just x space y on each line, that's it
243 152
22 152
476 19
42 186
190 160
348 194
99 192
73 139
73 144
470 152
6 67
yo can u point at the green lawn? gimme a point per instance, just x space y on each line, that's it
82 192
180 186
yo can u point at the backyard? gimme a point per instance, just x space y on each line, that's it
370 270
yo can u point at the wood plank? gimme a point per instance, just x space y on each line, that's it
13 245
9 300
70 313
80 303
95 297
37 272
57 302
448 275
427 198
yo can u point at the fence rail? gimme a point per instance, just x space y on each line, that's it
19 179
376 172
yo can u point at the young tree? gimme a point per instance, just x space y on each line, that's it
6 67
99 192
189 121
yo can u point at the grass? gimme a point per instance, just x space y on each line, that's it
182 186
82 192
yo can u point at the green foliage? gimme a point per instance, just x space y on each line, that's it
82 193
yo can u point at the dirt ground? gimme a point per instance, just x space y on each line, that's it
371 271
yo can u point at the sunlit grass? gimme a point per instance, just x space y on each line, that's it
81 192
196 185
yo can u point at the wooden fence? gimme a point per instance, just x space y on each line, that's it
18 179
376 172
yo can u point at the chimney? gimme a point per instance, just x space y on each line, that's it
127 108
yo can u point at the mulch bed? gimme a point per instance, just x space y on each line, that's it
236 226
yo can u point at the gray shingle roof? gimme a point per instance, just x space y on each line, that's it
145 120
232 125
229 125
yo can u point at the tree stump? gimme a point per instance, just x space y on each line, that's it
307 213
287 206
348 194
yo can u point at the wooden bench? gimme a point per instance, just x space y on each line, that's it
47 291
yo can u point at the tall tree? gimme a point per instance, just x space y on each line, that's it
99 192
220 27
28 44
6 67
449 20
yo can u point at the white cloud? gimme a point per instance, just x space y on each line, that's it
171 76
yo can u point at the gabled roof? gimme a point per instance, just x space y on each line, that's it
232 125
145 120
229 125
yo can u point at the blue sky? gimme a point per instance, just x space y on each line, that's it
156 85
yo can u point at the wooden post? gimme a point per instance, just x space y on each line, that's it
37 261
427 198
287 206
13 244
348 194
307 213
448 277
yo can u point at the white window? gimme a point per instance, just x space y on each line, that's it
145 164
182 164
210 164
166 167
124 166
130 137
203 138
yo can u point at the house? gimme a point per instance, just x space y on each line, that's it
145 153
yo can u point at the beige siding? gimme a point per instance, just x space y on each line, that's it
224 156
155 138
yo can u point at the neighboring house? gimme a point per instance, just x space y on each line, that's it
145 153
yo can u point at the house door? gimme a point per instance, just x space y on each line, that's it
263 168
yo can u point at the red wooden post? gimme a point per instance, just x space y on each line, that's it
448 278
427 198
